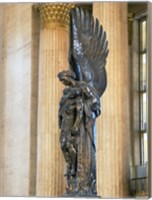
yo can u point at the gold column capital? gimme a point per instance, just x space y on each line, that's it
55 14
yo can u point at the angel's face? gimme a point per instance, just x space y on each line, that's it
63 78
66 80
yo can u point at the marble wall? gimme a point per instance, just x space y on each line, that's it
18 99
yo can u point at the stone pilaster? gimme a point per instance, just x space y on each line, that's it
53 58
113 128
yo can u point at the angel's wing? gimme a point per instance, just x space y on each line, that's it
88 49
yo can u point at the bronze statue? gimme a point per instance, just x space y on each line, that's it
80 104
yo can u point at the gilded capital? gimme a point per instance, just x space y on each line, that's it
55 14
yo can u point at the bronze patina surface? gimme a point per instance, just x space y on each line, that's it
79 107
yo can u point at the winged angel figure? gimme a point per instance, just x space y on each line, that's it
80 104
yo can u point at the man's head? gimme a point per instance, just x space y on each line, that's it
66 77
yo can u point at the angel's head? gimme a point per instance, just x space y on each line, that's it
67 77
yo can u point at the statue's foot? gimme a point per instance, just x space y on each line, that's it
74 131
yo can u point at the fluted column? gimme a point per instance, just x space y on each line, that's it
53 58
113 129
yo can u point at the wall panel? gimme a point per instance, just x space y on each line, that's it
17 77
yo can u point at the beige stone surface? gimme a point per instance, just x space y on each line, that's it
53 58
113 128
17 99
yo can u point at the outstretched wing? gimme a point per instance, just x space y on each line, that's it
88 49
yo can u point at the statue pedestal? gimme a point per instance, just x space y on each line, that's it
80 197
65 196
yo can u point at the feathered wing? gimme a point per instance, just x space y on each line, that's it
88 49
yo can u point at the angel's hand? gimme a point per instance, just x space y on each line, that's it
74 131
